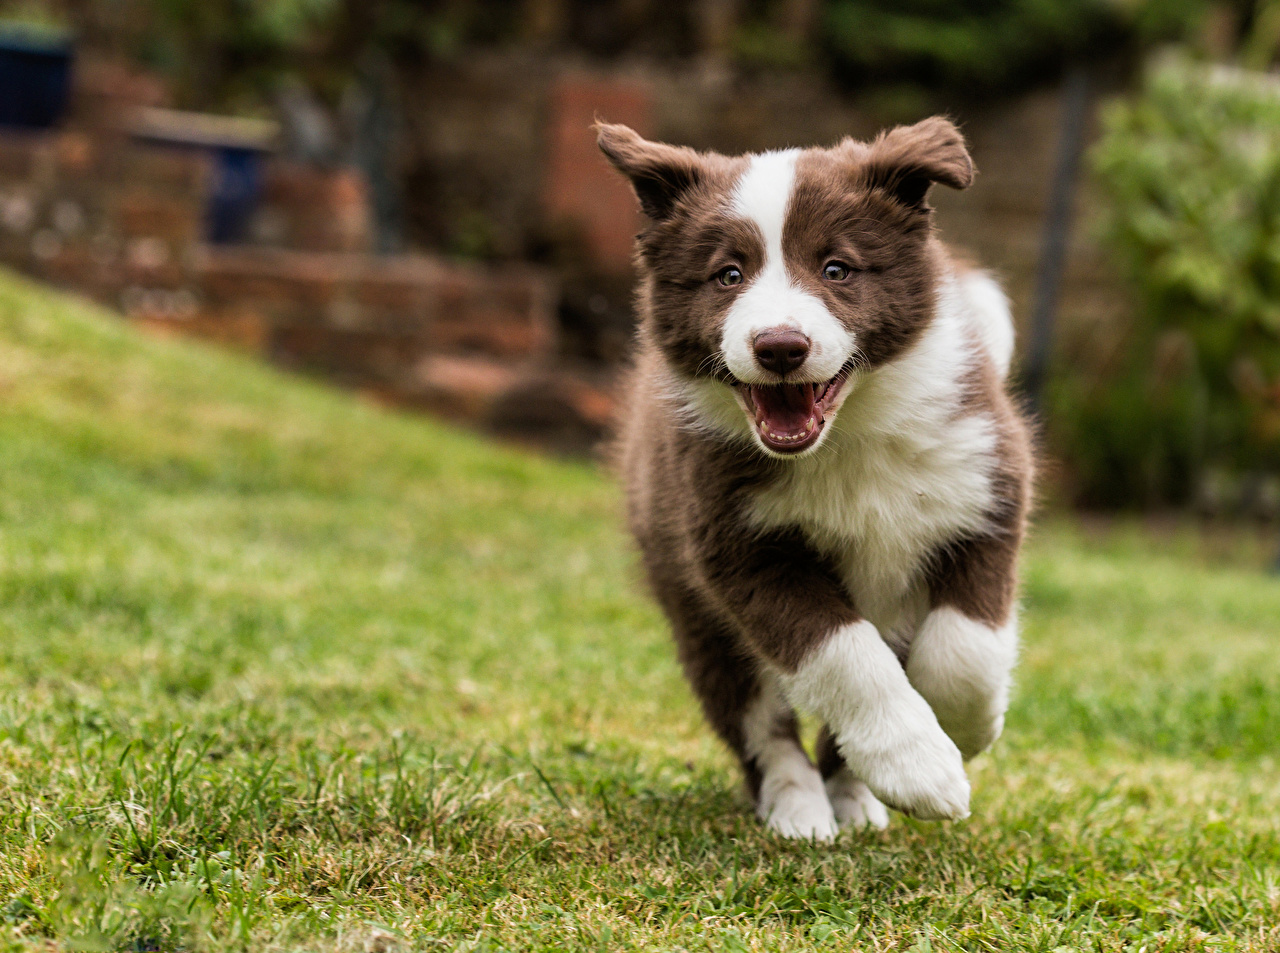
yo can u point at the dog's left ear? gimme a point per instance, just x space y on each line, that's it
906 160
659 173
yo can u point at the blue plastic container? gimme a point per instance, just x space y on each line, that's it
35 78
237 183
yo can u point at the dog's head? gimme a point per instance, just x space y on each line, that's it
783 275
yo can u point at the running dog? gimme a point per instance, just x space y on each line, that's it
825 474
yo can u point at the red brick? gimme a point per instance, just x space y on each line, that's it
181 173
76 153
295 279
397 287
76 267
141 213
447 308
509 316
21 153
352 356
106 90
582 193
317 209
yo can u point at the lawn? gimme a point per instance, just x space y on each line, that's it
281 670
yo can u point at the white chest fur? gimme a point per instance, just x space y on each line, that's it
904 471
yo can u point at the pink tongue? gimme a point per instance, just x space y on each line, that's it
785 408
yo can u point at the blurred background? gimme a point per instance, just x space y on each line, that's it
404 197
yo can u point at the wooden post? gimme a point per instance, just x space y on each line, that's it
1057 230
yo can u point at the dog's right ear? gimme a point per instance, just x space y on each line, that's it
906 160
659 173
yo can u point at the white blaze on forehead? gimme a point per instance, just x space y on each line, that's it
771 298
763 194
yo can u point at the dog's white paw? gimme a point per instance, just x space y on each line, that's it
800 812
793 801
885 731
915 768
853 803
962 669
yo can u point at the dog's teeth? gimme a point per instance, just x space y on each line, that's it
809 427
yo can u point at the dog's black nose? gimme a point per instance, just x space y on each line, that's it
781 350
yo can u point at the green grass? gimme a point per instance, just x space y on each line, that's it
280 670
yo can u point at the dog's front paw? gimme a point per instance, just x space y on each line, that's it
915 768
961 668
799 811
925 779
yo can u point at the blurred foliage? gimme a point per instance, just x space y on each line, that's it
231 53
216 50
1191 173
988 46
32 22
979 43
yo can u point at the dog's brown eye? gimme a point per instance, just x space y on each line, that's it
835 271
730 276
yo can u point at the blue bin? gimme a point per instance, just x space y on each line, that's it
237 183
35 79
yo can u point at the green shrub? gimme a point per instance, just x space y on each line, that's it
986 47
1190 169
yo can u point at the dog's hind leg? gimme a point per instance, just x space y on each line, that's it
747 710
851 800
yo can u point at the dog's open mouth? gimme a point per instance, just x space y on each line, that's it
790 417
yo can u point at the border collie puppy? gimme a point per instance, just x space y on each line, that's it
826 477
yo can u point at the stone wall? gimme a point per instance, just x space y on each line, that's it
122 222
113 223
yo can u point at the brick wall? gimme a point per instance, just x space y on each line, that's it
77 210
313 209
122 222
399 325
582 193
